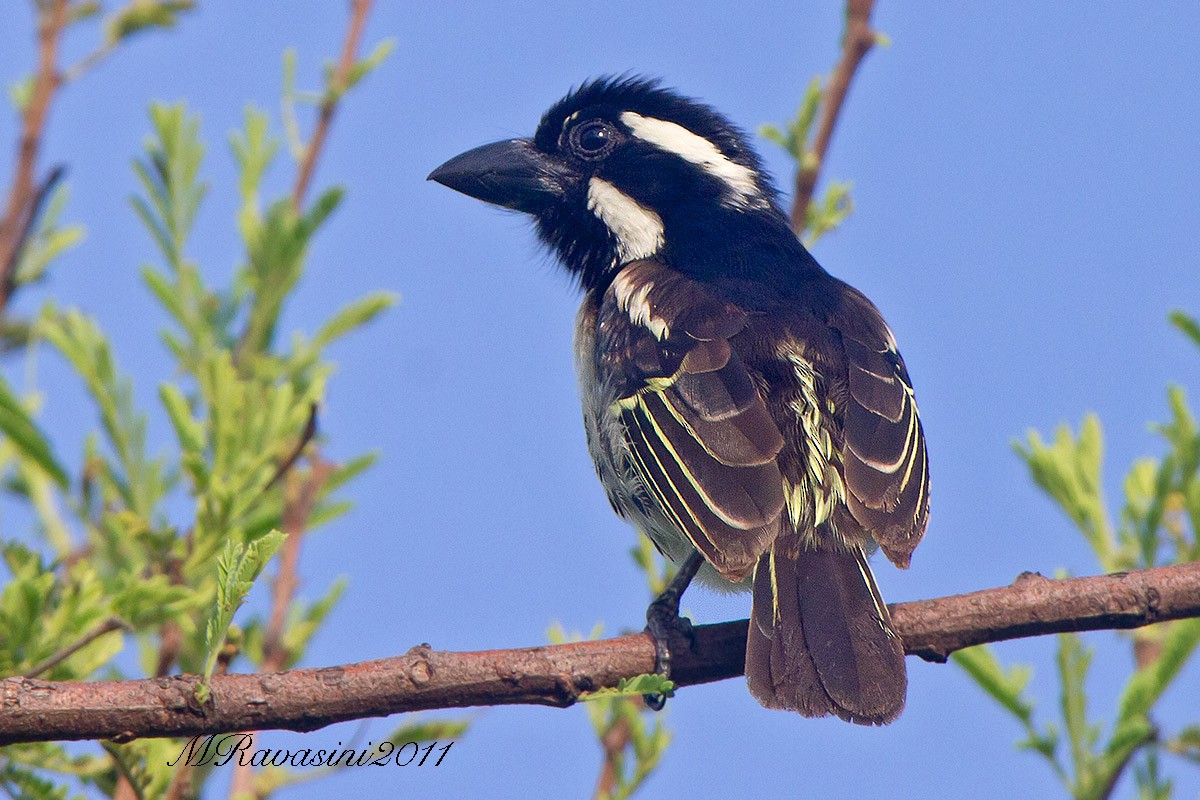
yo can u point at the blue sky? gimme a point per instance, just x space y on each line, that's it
1026 208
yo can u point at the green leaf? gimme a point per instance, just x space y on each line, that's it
276 250
365 66
658 569
1187 324
41 491
20 781
166 292
48 240
29 441
773 133
1133 726
169 178
349 470
795 139
1005 687
826 214
1150 783
1148 684
1145 494
189 431
634 687
85 9
428 731
1044 743
1069 470
1187 744
152 223
354 315
1074 661
140 15
237 568
147 602
304 622
254 149
20 93
291 126
325 204
144 763
139 480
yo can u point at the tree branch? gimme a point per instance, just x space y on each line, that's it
21 206
858 41
308 165
424 678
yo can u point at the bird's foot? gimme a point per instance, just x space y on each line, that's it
663 620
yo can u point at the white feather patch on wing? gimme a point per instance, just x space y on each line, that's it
675 138
635 301
637 229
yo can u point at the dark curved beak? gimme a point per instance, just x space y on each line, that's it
512 173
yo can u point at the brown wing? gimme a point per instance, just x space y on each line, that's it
697 429
886 467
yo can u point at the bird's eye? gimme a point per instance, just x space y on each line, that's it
593 140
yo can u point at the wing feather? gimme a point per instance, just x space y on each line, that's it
702 439
884 457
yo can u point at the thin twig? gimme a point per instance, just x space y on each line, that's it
614 741
334 91
107 626
1114 776
1146 650
8 273
180 787
300 498
333 94
88 62
306 436
858 41
558 675
124 789
20 208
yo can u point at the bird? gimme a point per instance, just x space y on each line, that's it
746 410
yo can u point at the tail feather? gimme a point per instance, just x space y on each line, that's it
821 641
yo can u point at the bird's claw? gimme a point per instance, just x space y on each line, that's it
663 620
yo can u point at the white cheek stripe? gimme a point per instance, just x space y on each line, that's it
696 149
637 229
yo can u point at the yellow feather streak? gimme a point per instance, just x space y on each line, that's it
648 479
813 498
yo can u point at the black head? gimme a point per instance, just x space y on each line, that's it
623 169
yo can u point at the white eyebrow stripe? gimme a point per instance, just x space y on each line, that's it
675 138
637 229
